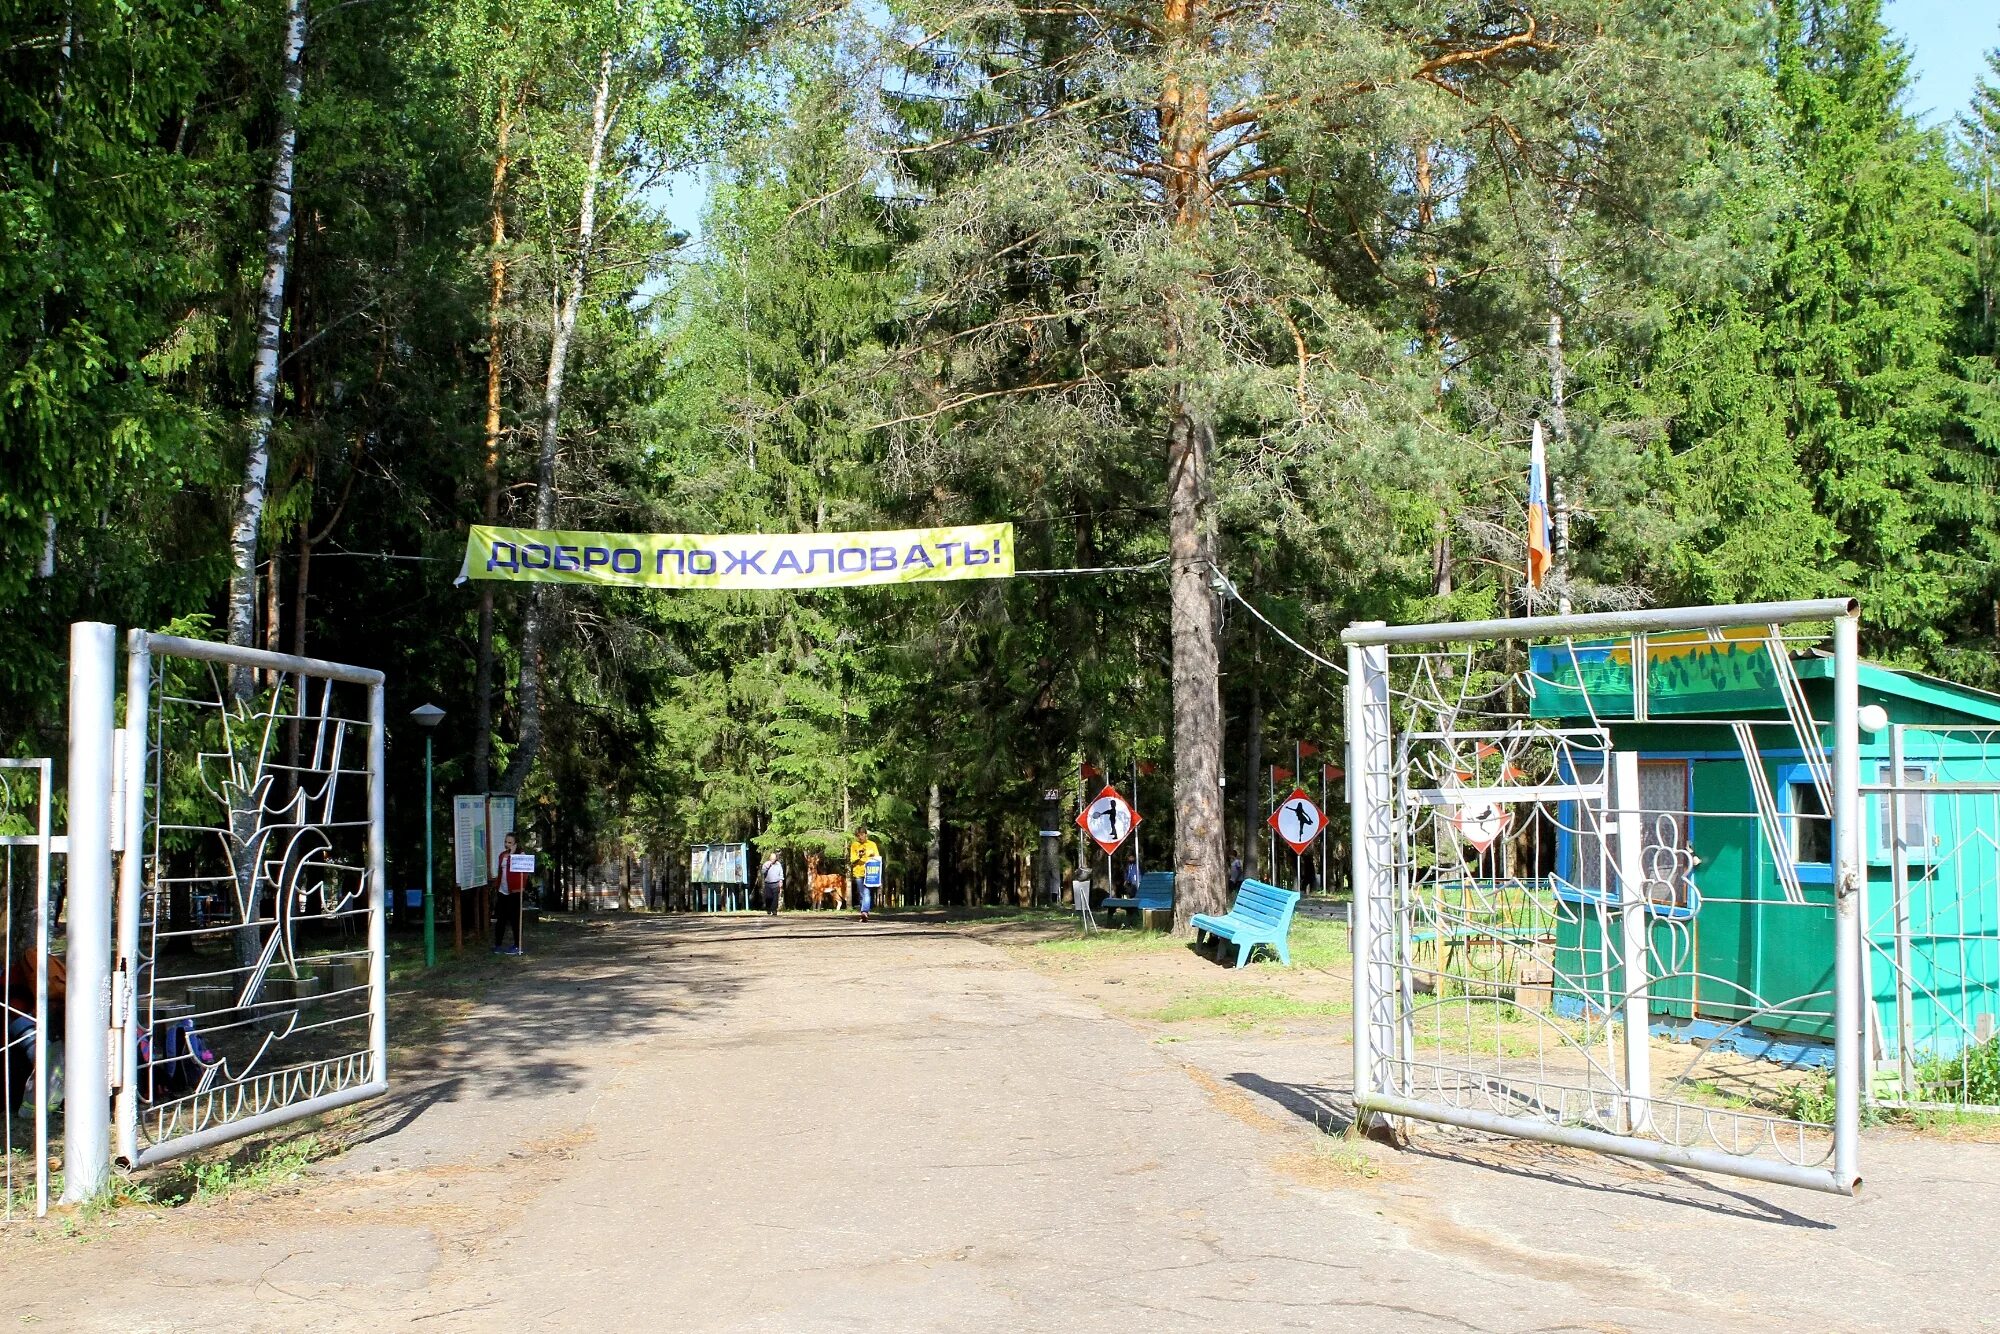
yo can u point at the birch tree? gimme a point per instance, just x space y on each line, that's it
270 316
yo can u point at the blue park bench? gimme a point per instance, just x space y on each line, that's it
1156 894
1261 915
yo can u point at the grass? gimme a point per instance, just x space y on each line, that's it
1314 943
1246 1008
1336 1159
1103 944
249 1170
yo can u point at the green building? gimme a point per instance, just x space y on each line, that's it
1738 872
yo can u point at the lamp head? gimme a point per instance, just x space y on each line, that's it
427 715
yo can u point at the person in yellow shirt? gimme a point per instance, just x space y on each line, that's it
864 864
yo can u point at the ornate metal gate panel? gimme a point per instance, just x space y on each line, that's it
25 846
250 979
1607 884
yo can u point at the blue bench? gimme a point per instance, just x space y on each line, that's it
1156 894
1261 915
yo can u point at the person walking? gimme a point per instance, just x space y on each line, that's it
864 864
510 893
772 873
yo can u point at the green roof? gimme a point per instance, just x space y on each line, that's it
1688 675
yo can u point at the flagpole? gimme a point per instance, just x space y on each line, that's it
1136 864
1298 858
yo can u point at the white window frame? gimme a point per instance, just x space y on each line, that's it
1881 852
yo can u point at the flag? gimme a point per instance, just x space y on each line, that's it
1091 771
1148 767
1541 549
1279 773
1332 772
1307 750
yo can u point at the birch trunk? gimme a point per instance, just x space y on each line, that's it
482 727
248 937
264 368
534 617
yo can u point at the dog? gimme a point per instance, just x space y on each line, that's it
824 887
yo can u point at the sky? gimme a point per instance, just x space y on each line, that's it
1948 41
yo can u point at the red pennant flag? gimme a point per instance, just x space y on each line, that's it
1307 749
1463 775
1091 771
1148 767
1510 772
1333 773
1280 774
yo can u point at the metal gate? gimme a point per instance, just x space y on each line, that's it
25 847
249 987
1932 837
1607 877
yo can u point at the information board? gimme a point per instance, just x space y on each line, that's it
472 860
719 864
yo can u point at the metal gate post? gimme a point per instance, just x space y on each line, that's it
378 891
131 884
1848 1018
1371 837
1634 943
1899 854
93 648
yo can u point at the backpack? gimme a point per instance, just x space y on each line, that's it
179 1070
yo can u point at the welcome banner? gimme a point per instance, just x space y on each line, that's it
740 560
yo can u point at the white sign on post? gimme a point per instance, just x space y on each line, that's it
1108 820
522 863
1297 821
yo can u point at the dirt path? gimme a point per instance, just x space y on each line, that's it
738 1124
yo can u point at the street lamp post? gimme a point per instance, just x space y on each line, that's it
428 716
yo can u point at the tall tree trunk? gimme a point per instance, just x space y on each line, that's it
482 725
264 367
1185 136
534 617
934 850
1199 885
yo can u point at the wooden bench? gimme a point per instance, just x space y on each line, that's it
1261 915
1156 894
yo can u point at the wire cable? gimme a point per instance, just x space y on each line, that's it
1092 569
1223 585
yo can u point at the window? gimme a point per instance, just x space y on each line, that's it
1665 858
1916 815
1812 830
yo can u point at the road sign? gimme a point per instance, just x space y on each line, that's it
1108 819
1297 820
1481 823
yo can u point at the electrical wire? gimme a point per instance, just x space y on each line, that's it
1223 585
1092 569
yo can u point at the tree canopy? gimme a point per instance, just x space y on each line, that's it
1199 295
